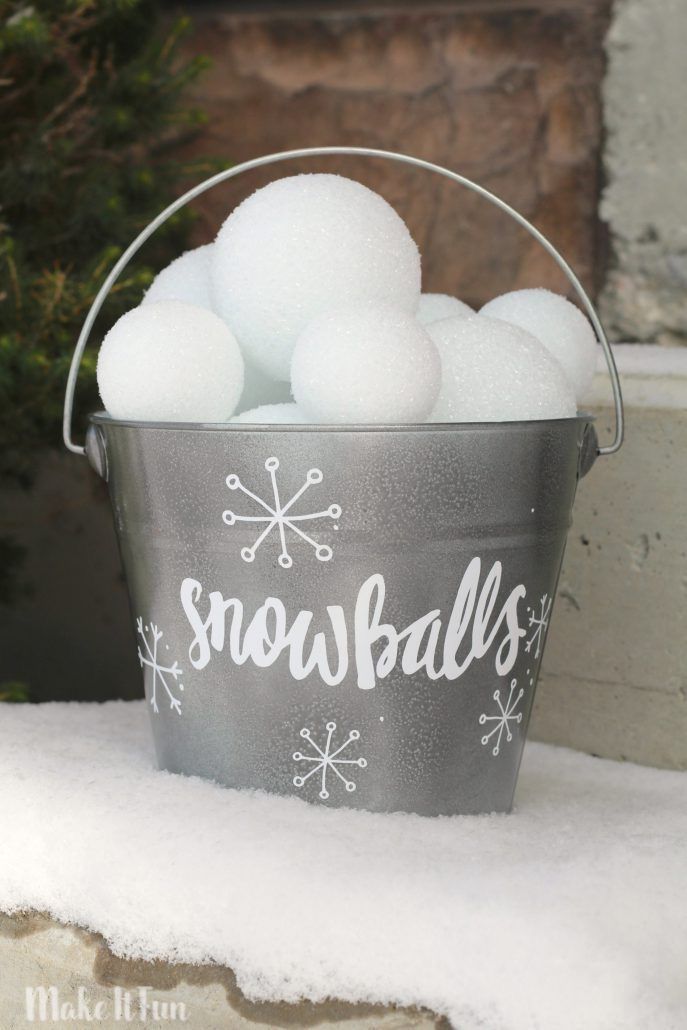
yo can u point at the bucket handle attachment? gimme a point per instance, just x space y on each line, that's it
288 155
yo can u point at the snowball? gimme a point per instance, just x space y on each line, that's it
367 363
286 414
302 245
560 326
170 362
186 279
496 372
435 306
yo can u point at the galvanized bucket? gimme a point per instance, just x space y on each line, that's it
355 616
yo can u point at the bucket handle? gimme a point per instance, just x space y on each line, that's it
288 155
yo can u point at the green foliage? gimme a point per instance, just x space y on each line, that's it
14 691
91 109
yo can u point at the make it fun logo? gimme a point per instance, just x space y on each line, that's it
139 1007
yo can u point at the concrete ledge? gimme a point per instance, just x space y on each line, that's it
36 950
652 377
614 678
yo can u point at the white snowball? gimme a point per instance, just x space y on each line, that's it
496 372
368 363
560 326
170 362
187 279
273 414
435 306
300 246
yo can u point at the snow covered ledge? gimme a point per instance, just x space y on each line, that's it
613 680
37 950
254 910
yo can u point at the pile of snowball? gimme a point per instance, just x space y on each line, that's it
308 308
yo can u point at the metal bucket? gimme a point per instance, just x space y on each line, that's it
351 615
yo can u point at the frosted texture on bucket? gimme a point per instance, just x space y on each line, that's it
355 617
299 246
496 372
371 363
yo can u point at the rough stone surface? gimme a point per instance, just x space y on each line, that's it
507 93
36 950
645 201
614 676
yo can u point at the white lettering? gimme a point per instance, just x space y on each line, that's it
476 625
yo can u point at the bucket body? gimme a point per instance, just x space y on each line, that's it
355 617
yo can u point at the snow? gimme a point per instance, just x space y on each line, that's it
570 913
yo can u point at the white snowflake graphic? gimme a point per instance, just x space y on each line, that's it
540 621
324 760
277 516
506 715
151 637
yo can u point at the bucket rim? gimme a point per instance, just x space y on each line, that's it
101 418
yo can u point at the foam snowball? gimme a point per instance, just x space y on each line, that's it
300 246
186 279
368 363
558 324
170 362
273 414
496 372
435 306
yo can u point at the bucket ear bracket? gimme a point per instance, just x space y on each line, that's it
96 451
589 450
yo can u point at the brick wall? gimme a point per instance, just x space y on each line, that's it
506 92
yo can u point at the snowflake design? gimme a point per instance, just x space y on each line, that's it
277 516
539 620
502 721
151 637
327 759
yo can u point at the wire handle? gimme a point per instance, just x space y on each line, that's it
288 155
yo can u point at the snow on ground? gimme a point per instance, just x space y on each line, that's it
571 913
